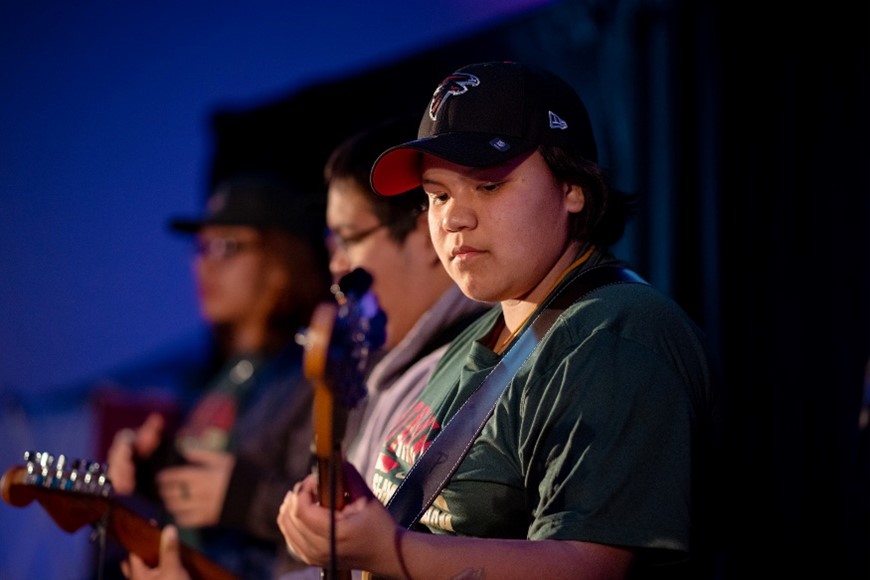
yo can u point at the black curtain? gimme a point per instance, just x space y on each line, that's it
795 219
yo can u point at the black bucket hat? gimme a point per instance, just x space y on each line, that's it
259 202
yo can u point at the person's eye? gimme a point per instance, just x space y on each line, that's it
437 198
490 187
221 248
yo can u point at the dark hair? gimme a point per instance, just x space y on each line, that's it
353 159
606 211
307 263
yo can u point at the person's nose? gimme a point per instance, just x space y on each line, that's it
339 263
456 216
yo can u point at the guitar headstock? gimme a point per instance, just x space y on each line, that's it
342 337
58 472
43 473
76 493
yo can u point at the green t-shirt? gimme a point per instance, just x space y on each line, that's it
595 438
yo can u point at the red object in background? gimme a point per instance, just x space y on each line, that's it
116 408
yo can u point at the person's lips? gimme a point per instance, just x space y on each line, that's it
463 253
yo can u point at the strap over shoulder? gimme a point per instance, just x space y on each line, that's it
434 468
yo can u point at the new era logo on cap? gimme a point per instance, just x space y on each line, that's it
556 122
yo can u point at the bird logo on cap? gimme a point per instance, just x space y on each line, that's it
455 84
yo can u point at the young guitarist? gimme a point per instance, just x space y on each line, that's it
598 459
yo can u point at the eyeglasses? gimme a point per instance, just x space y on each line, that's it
221 248
345 243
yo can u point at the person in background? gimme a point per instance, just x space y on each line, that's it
261 267
598 460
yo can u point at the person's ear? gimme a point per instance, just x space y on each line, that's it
421 231
575 198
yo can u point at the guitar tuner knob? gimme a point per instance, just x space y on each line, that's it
105 486
72 482
58 477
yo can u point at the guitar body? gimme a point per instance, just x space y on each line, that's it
338 342
79 494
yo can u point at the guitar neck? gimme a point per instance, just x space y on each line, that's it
331 422
338 342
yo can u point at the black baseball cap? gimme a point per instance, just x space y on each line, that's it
259 202
486 114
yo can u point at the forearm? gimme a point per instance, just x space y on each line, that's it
426 556
366 539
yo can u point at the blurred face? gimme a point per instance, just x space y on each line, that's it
237 282
359 240
500 231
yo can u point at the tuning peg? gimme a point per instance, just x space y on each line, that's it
75 472
54 475
41 468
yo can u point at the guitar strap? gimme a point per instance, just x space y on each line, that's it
437 464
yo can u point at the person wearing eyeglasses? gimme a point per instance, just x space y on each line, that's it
261 267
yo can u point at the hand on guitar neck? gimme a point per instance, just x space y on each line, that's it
338 343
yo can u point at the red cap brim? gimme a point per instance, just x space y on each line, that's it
399 169
396 171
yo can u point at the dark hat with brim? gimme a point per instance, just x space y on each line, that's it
487 114
259 202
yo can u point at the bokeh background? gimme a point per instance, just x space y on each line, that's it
744 127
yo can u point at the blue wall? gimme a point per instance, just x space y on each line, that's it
103 112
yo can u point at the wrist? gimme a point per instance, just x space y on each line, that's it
397 541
